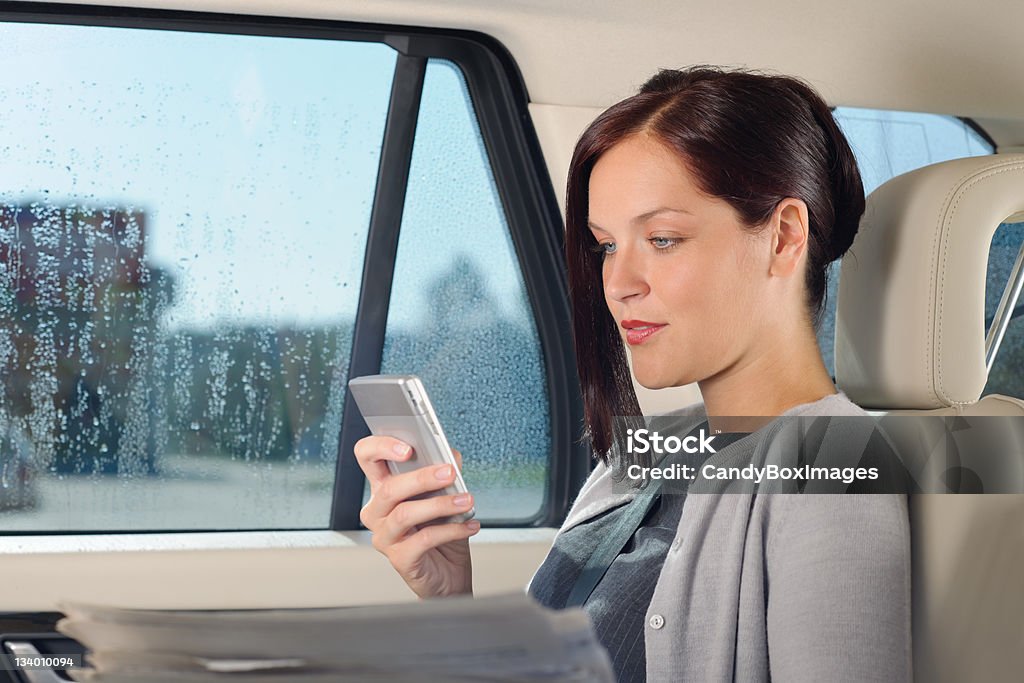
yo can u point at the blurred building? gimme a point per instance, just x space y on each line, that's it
77 302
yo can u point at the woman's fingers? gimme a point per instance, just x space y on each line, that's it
406 516
394 489
405 554
391 513
373 452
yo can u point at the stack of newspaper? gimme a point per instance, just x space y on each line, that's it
503 638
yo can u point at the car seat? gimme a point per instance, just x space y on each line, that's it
911 339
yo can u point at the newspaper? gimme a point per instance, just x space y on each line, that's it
503 638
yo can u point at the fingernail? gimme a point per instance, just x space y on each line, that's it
401 449
443 472
462 500
472 525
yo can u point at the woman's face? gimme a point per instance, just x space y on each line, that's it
683 279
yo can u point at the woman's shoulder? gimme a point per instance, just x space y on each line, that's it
837 404
804 526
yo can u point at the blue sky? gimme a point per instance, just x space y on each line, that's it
254 158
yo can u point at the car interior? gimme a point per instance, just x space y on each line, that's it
919 318
908 340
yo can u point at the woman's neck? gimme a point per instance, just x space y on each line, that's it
765 386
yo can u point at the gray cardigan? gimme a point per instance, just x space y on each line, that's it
783 587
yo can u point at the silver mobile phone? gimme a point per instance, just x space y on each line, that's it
398 406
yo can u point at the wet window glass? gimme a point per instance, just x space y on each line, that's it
1007 373
183 218
888 144
460 317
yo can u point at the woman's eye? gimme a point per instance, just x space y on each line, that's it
663 242
604 248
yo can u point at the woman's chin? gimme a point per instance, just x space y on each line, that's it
653 380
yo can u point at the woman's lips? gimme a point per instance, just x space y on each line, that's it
638 335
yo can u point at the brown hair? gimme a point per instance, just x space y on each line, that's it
749 139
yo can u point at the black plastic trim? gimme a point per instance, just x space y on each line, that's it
378 275
976 127
28 622
501 102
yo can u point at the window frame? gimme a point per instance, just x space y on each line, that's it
980 131
500 102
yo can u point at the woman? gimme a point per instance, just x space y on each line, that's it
701 216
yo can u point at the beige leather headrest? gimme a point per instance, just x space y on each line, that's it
910 320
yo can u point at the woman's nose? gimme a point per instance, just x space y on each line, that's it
624 277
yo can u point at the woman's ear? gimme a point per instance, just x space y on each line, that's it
790 228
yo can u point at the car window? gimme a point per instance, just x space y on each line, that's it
181 236
1007 373
184 218
888 144
459 316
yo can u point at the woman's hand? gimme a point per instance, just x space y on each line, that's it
433 560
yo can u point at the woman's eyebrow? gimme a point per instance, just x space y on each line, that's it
647 215
660 210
